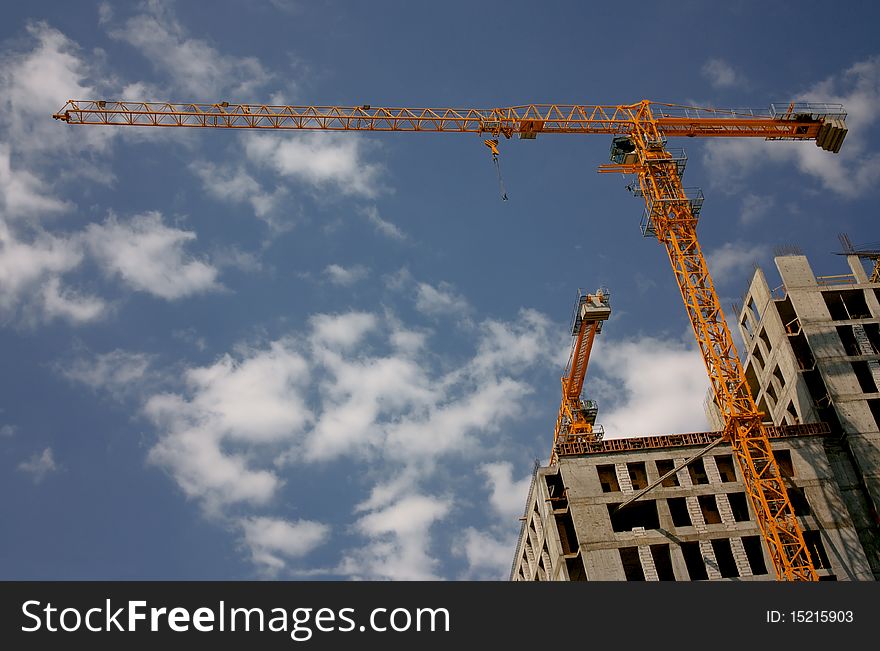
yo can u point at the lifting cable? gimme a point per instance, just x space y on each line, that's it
492 144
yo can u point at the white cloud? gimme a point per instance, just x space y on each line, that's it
384 226
39 465
273 541
488 557
35 84
732 258
512 346
114 372
357 385
508 496
219 441
233 183
440 301
255 399
854 172
194 65
29 273
345 277
755 207
23 194
70 305
341 331
192 452
649 386
190 336
324 161
148 256
721 74
363 398
8 430
400 541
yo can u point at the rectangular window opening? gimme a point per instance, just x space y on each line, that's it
664 466
816 549
835 306
754 547
739 506
793 417
777 373
663 562
754 310
766 339
786 313
758 357
709 507
694 561
802 353
746 328
638 475
771 393
679 512
567 536
798 500
848 339
575 567
752 379
724 556
783 460
698 472
872 330
556 489
865 377
608 478
874 406
632 564
642 513
726 468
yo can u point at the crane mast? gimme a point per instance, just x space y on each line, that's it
638 148
577 417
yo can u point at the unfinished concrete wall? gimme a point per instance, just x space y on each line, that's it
698 525
846 395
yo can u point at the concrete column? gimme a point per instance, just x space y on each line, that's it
711 470
645 557
724 509
679 567
623 477
739 555
709 557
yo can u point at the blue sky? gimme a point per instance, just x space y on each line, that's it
337 356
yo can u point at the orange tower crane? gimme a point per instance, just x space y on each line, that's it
577 417
640 133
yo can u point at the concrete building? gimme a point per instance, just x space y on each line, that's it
812 364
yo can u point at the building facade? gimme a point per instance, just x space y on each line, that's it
812 364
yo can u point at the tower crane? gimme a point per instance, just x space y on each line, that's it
640 132
577 417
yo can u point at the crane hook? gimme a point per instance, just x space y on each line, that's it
492 144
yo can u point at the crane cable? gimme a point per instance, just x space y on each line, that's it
492 144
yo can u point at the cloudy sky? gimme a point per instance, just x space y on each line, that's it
233 355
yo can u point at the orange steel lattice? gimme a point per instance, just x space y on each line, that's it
641 130
577 417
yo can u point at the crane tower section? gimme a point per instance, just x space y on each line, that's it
576 421
671 215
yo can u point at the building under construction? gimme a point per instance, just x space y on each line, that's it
812 366
639 135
